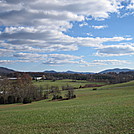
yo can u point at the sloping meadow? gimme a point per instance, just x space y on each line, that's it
108 110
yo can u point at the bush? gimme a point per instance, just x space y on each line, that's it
60 97
18 100
74 96
70 94
1 100
80 86
27 100
55 97
45 96
11 99
94 88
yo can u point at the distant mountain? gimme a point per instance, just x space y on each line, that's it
116 70
72 72
69 72
51 71
4 70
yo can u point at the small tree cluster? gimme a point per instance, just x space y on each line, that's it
70 93
67 87
56 92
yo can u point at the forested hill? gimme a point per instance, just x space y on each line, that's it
68 72
116 70
4 70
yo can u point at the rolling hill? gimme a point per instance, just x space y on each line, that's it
4 70
69 72
108 110
116 70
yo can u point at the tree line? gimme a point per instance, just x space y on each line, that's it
22 90
109 78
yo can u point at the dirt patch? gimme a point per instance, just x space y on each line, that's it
91 85
13 105
9 105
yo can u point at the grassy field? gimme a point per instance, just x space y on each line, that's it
60 83
108 110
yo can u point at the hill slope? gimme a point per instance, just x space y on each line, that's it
92 112
4 70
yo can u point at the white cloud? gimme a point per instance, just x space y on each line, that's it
45 39
38 26
126 14
5 52
6 61
99 27
60 60
41 12
131 5
89 34
83 24
13 61
103 62
98 42
112 62
43 22
115 50
49 59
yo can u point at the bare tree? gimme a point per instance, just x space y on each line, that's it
5 89
70 92
56 92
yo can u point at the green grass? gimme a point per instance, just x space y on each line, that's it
64 82
108 110
120 85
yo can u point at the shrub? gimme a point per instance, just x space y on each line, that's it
74 96
94 88
27 100
80 86
70 93
45 96
11 99
1 100
46 93
56 92
18 100
55 97
60 97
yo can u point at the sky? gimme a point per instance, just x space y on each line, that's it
61 35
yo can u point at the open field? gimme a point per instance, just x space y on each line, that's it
108 110
64 82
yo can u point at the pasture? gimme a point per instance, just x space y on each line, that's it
108 110
64 82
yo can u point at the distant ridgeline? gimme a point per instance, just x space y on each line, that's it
116 70
5 71
108 76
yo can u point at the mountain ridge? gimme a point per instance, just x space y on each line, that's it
69 72
116 70
4 70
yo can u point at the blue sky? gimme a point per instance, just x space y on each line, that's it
61 35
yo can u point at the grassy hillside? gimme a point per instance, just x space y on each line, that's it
109 110
120 85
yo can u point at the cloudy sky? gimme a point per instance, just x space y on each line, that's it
61 35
